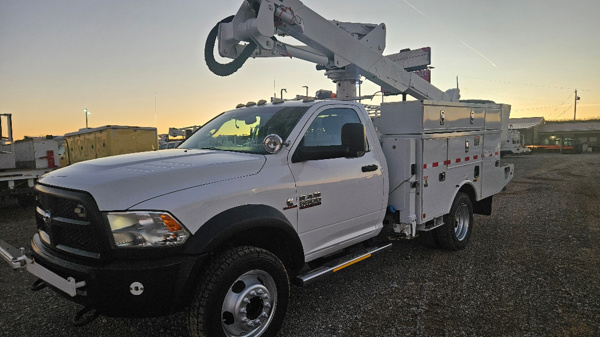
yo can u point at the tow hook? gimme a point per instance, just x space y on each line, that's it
85 316
39 284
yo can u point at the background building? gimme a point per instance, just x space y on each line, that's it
537 131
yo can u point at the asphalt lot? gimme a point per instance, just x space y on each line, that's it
532 268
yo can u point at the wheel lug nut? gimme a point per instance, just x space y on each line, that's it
243 310
246 300
253 293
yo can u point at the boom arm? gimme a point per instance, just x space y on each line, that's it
345 50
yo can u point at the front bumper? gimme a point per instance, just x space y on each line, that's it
124 288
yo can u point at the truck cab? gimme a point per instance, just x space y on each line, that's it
283 177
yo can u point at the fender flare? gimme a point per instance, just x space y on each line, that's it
228 225
482 206
465 184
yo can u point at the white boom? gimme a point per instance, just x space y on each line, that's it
345 50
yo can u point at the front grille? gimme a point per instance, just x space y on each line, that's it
71 222
78 238
66 208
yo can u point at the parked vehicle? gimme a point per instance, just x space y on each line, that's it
23 162
513 143
269 193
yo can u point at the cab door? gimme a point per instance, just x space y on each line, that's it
339 198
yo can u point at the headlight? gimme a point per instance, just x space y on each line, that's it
143 229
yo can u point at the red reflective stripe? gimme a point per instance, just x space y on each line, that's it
467 158
435 164
496 153
475 157
424 166
458 160
448 162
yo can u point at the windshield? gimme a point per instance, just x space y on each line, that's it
243 130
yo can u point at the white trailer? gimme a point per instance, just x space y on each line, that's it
23 162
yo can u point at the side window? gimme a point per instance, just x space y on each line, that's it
323 138
326 129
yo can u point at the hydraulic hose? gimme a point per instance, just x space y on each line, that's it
225 69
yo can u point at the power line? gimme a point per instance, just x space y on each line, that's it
540 107
564 111
523 84
568 98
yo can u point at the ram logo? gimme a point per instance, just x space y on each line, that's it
46 216
310 200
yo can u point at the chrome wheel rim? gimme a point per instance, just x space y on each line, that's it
249 305
462 221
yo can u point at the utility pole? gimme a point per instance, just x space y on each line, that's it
577 98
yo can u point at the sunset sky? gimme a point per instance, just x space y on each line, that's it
140 62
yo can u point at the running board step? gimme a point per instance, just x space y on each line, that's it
312 275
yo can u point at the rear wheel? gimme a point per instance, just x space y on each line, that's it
458 224
244 292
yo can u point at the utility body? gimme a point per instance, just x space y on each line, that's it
268 193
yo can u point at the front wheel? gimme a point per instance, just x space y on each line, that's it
243 292
458 224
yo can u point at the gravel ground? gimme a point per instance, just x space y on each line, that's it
531 269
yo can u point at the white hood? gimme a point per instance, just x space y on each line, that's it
119 182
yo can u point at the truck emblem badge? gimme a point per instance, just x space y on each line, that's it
289 204
47 217
310 200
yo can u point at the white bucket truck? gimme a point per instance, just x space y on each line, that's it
267 193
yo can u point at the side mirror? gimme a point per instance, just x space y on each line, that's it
354 139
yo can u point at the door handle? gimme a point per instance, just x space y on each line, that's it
369 168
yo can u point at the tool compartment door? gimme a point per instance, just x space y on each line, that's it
494 178
435 189
465 155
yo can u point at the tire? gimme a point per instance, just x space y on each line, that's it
455 233
428 239
243 292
